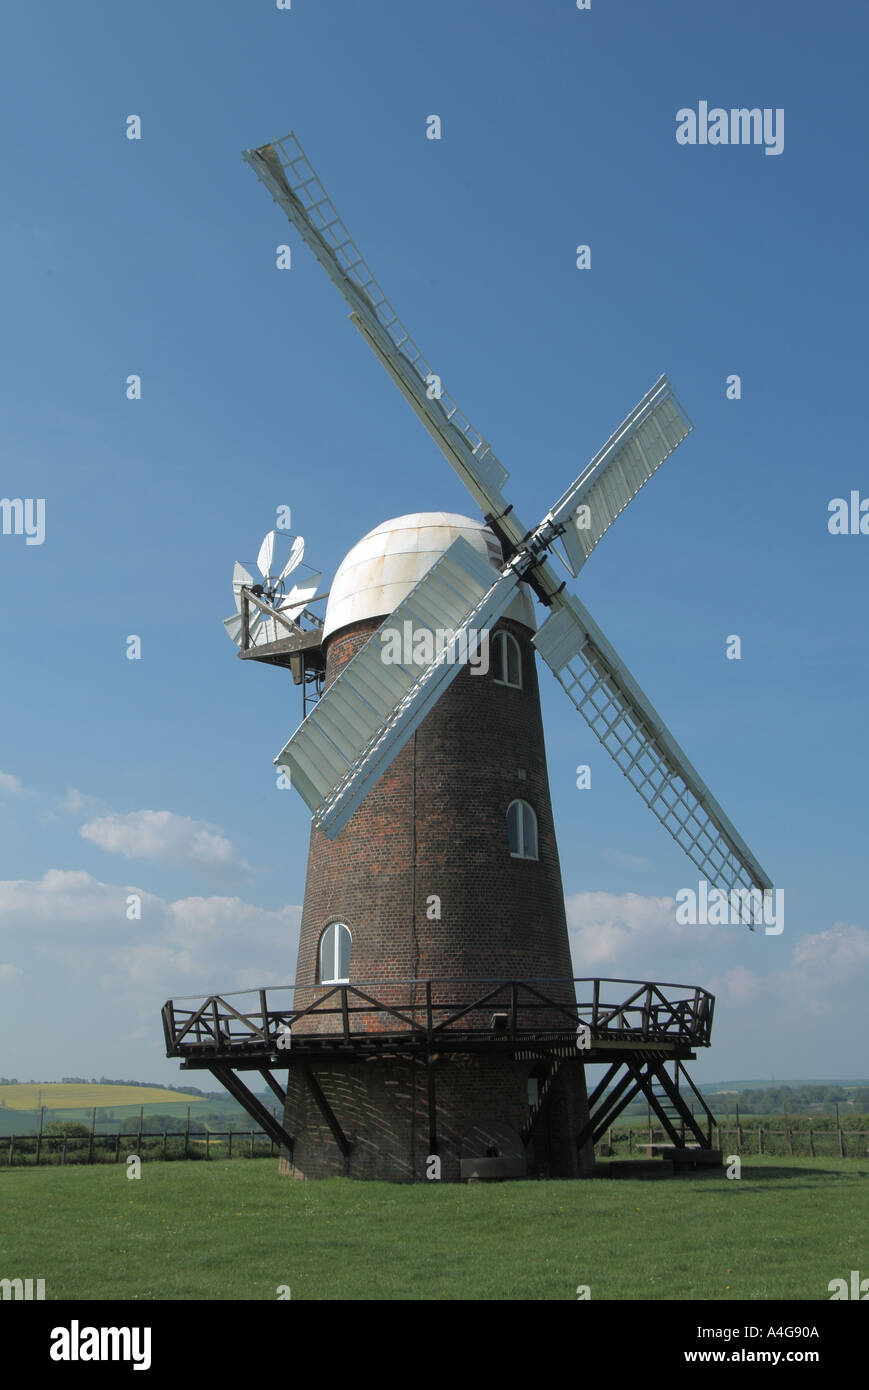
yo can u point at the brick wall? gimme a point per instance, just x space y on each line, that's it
435 826
383 1110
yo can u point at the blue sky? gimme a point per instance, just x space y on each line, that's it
157 257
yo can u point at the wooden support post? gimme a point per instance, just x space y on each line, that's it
165 1137
139 1140
11 1148
251 1143
187 1134
841 1142
630 1141
91 1140
118 1147
328 1115
760 1139
790 1139
811 1144
230 1144
63 1152
207 1142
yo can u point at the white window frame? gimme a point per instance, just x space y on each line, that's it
501 661
333 978
524 812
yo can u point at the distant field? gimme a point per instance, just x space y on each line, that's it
57 1096
239 1231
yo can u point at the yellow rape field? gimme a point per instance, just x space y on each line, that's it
58 1096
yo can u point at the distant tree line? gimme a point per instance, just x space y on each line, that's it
114 1081
779 1100
800 1100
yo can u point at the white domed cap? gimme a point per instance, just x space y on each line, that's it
382 569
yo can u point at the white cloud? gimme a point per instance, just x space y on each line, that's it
827 976
742 985
10 973
164 837
10 785
839 952
193 944
73 803
67 906
607 926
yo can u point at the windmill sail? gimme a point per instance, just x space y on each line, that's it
372 708
290 178
367 715
654 428
635 736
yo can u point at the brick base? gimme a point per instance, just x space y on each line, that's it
481 1104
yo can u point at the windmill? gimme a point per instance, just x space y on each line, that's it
267 623
434 944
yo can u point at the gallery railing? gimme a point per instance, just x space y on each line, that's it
440 1013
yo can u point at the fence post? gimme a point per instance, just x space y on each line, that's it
229 1155
811 1144
841 1142
11 1148
63 1151
118 1147
790 1139
164 1143
91 1140
630 1141
207 1142
251 1143
187 1133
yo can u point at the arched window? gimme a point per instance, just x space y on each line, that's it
335 954
506 659
521 830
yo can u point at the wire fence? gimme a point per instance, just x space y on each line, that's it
828 1142
37 1150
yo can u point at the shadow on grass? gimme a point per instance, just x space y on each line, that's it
763 1174
759 1174
767 1176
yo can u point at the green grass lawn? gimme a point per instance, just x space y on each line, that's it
237 1231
